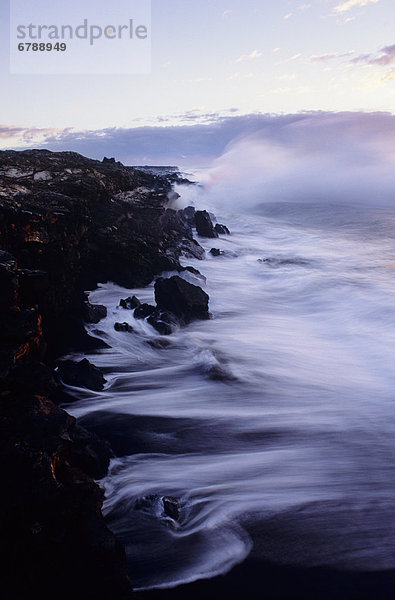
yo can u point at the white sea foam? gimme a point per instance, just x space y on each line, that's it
304 322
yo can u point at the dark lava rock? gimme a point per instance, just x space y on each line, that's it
171 508
54 539
215 252
33 284
143 311
81 374
72 222
160 326
88 452
130 303
204 224
175 221
221 229
191 249
33 376
188 214
93 313
183 299
194 272
67 223
163 322
156 505
123 327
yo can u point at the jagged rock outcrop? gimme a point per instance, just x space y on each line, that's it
204 224
52 531
72 222
129 303
93 313
66 224
221 229
81 374
183 299
123 327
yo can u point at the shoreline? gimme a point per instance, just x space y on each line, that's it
67 223
51 461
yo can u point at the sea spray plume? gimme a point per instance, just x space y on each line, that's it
340 157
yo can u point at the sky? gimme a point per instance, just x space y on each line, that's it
213 62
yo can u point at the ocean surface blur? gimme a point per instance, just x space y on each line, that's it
272 424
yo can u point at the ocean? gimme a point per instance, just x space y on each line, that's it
270 426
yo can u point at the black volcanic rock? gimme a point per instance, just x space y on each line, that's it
164 322
161 327
221 229
67 223
129 303
215 252
93 313
74 222
191 248
185 300
81 374
188 214
171 508
51 526
204 224
143 311
125 327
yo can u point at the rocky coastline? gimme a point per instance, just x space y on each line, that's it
68 223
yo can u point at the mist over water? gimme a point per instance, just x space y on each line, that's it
338 158
272 424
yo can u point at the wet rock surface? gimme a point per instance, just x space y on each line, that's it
125 327
93 313
171 508
162 507
143 311
129 303
86 222
81 374
67 223
164 322
204 224
221 229
183 299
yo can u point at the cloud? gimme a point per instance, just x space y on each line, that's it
329 57
7 132
288 15
24 134
315 157
254 54
389 75
204 136
386 57
349 4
